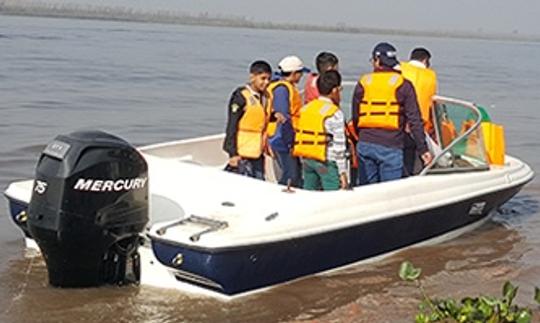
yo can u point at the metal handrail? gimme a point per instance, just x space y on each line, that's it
213 225
459 138
470 105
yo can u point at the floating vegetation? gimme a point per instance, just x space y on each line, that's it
469 309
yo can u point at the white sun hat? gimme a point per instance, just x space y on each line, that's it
292 64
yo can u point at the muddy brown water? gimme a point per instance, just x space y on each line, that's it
150 83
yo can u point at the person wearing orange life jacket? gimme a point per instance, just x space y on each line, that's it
424 79
320 138
245 136
284 106
383 102
325 61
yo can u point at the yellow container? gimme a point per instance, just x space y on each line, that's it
494 142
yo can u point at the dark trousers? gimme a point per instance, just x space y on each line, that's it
412 164
249 167
290 169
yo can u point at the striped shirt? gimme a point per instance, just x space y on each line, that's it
335 126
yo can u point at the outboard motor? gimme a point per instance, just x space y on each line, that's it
89 204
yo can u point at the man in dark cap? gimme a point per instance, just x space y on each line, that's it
383 103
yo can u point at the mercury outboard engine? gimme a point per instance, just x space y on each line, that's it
89 204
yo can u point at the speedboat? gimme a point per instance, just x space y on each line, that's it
167 214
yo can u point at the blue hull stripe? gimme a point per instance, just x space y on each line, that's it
245 268
16 207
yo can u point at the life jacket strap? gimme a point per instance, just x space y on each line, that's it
311 142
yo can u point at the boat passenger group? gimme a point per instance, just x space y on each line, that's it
309 138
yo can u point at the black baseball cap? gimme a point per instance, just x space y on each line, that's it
386 53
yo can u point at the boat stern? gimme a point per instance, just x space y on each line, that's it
18 196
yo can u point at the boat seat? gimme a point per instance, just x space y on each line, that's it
188 159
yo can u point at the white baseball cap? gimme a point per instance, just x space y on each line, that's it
292 64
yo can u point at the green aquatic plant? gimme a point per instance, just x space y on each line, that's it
480 309
537 294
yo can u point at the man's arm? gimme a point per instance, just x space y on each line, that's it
235 111
283 114
407 96
281 102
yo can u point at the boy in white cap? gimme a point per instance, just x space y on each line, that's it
284 106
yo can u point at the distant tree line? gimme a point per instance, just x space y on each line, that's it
100 12
89 11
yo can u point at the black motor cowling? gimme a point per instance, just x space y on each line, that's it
89 204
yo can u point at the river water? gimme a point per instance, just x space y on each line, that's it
150 83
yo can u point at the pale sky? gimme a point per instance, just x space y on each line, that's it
488 16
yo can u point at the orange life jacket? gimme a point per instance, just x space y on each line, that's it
472 142
379 107
250 136
448 132
424 81
311 140
295 104
350 131
466 125
352 139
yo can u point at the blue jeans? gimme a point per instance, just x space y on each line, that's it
249 167
378 163
290 168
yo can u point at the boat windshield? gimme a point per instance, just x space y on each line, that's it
458 132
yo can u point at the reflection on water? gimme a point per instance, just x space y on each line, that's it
480 260
158 83
520 212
